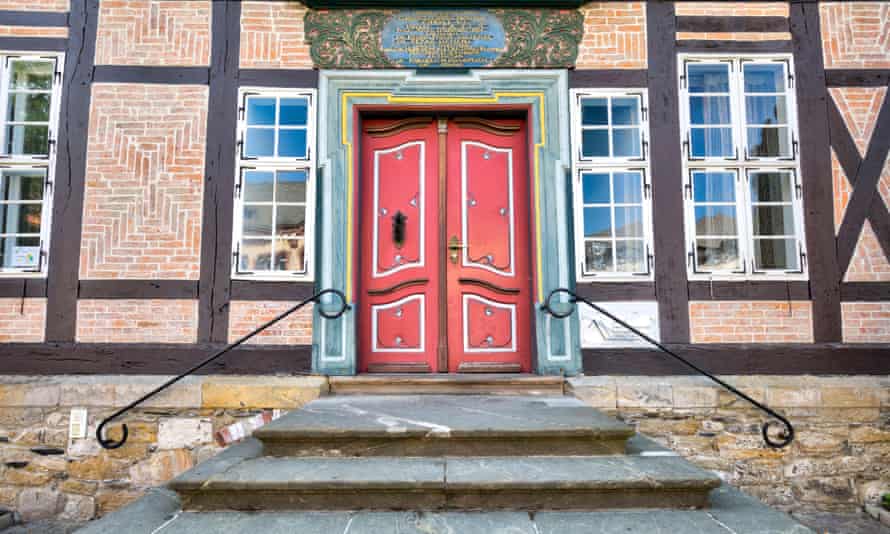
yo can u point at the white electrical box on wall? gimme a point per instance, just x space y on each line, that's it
77 423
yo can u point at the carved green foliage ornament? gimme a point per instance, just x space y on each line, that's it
504 38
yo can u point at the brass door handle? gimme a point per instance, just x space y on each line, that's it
454 245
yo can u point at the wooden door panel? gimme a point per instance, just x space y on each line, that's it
398 217
488 222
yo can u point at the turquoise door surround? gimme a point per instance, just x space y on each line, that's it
543 92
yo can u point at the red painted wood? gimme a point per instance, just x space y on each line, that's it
399 326
488 210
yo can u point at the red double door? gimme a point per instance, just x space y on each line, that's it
445 274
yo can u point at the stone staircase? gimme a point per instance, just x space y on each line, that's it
446 463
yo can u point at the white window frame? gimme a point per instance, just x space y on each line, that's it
743 165
46 163
582 165
276 164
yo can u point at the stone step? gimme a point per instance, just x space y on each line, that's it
433 425
468 483
447 384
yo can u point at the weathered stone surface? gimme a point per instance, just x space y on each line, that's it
80 487
39 503
260 392
695 397
108 500
161 467
27 476
828 490
850 397
30 393
101 467
645 396
785 397
868 434
78 508
177 432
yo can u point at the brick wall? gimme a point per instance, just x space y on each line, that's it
34 5
734 36
730 9
245 316
855 34
751 321
137 321
22 320
145 172
866 322
33 31
153 32
272 36
614 36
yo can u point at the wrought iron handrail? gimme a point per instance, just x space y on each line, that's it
327 314
785 437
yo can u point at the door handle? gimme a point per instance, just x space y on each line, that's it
454 246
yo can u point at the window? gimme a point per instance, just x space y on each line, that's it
275 188
611 188
743 195
30 96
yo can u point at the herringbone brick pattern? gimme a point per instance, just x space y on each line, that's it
137 321
153 32
614 36
22 320
729 9
859 107
145 168
869 263
34 5
842 190
855 34
272 35
751 321
244 316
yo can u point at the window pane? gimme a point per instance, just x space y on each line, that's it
717 254
260 111
20 218
628 187
260 142
22 185
776 254
594 111
764 78
768 142
597 222
629 222
257 220
626 143
31 75
294 111
28 107
290 221
709 110
712 143
27 140
292 143
289 254
708 78
773 220
598 256
713 186
256 255
625 110
19 252
292 186
771 187
715 220
258 186
765 110
630 256
596 188
595 143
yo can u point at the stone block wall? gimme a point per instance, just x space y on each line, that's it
751 321
170 434
839 460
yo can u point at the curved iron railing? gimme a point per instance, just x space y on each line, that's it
562 310
340 309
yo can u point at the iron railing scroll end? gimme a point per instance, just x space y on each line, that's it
327 310
561 308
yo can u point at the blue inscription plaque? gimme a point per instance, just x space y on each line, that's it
443 39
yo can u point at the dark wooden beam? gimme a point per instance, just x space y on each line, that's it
734 47
865 291
667 190
33 18
39 44
750 290
601 291
22 287
149 359
161 75
219 174
743 359
278 77
277 291
138 289
857 77
617 78
815 166
70 178
711 23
